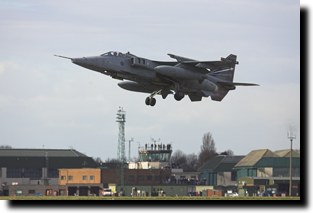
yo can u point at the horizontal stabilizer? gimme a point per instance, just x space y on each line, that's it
233 84
244 84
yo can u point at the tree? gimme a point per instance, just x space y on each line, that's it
112 163
178 159
183 161
191 162
98 160
5 147
227 152
208 150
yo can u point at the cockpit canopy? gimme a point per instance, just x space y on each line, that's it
115 53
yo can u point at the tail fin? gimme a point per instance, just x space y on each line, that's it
231 58
227 78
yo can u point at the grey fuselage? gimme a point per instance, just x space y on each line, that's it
185 76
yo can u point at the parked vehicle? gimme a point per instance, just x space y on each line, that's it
231 193
107 192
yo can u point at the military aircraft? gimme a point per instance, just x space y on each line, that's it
182 77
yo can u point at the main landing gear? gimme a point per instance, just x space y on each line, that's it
179 96
151 101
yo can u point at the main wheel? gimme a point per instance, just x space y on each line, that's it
179 95
147 101
152 101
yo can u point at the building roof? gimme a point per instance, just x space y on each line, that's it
40 153
254 156
52 158
221 163
267 157
286 153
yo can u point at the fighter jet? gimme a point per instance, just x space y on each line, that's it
182 77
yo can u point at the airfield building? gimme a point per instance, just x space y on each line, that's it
218 171
266 172
80 182
36 171
153 156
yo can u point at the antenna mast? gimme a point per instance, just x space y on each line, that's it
120 119
291 136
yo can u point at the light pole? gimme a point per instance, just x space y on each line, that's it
129 141
291 135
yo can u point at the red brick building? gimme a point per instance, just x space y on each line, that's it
135 176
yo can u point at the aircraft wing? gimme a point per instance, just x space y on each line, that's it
179 58
212 65
224 63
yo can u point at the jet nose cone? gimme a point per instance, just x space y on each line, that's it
79 61
87 62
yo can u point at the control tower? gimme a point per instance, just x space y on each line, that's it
153 156
155 153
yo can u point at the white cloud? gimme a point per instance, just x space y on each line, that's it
7 66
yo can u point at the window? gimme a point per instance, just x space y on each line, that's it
131 178
91 177
140 178
15 172
53 173
70 177
149 177
63 177
84 177
233 176
32 173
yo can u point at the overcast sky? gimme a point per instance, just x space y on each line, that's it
49 102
